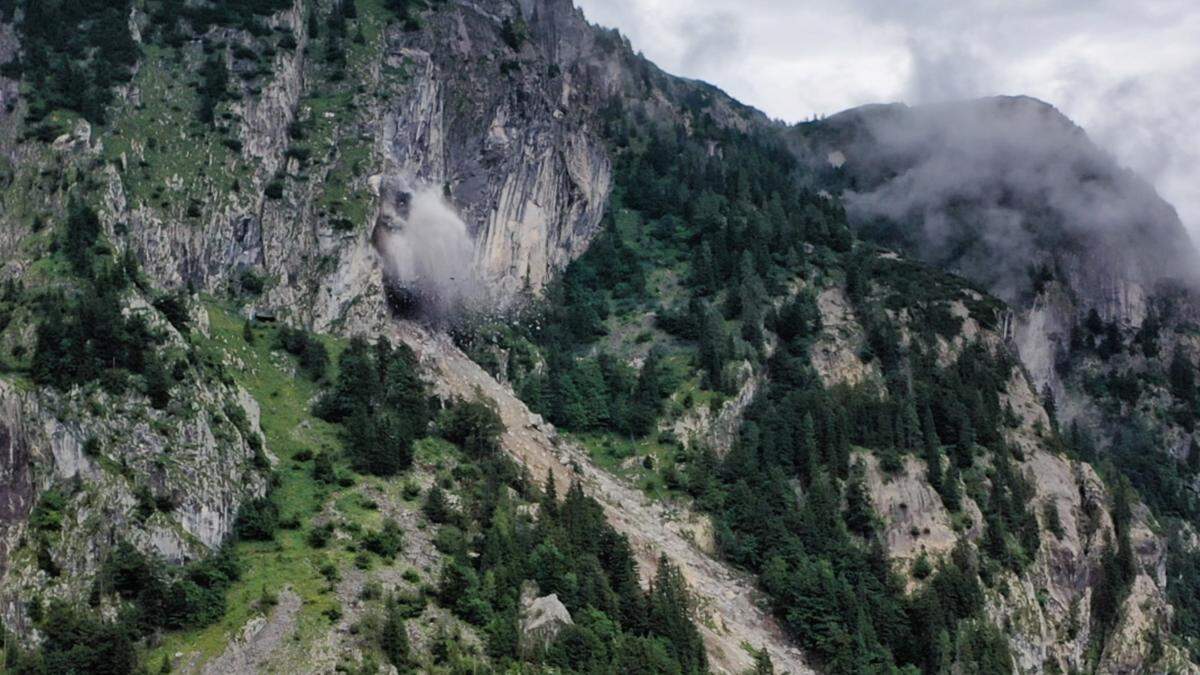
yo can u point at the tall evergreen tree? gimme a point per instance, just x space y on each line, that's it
859 514
668 616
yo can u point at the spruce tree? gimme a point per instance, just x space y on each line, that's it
648 394
964 448
951 493
668 617
1050 406
806 449
933 446
393 637
436 507
549 500
859 514
712 348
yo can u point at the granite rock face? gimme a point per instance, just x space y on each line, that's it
168 482
542 619
279 204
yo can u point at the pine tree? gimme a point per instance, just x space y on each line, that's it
1181 376
951 493
158 383
910 426
668 616
933 446
82 230
703 276
820 516
1050 406
436 507
859 514
806 449
393 637
838 452
964 448
1122 516
648 394
214 76
712 348
549 501
994 537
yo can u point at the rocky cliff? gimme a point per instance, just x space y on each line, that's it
1011 194
84 469
1046 608
505 112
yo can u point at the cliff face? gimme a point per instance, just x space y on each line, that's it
503 108
1046 609
509 131
296 176
499 106
81 470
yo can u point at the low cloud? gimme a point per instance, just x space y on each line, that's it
991 187
1124 71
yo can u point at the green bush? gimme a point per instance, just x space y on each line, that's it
257 520
475 426
385 542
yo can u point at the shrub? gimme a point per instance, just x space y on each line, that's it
312 354
437 508
251 282
921 568
386 542
475 426
47 513
257 520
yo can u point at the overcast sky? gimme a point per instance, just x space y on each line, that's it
1128 71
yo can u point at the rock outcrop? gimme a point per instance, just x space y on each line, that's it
542 619
168 482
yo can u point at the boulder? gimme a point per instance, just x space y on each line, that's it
542 618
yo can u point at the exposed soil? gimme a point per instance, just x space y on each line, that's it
729 609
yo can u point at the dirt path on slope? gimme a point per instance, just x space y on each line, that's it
728 604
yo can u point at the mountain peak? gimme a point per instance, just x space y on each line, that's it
991 187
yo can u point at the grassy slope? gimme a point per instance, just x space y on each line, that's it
285 401
631 333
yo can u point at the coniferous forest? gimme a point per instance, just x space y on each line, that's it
218 439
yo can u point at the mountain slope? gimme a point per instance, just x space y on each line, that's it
997 189
752 379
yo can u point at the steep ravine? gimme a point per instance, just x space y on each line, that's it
728 607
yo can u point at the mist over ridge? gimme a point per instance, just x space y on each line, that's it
997 189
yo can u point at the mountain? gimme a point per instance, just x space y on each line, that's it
1098 270
394 335
998 188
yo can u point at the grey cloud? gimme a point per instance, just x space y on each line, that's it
991 187
946 71
1124 70
711 39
